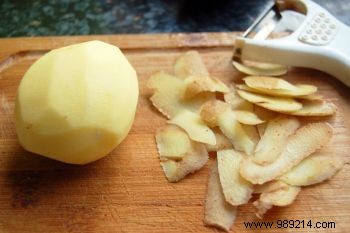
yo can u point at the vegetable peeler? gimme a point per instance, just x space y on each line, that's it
320 42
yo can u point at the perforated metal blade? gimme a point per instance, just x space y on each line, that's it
265 24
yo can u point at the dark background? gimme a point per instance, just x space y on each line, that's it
74 17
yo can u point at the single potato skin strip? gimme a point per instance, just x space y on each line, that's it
218 212
304 142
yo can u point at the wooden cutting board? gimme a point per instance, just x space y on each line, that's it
126 191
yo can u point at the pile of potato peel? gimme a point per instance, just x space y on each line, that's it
261 146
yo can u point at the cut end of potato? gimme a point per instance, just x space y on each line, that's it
272 103
172 142
190 64
261 69
237 191
195 127
300 145
218 212
196 84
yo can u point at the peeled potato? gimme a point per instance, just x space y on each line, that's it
195 127
300 145
274 139
199 84
172 142
71 104
237 191
278 104
314 169
315 108
261 69
280 197
167 97
190 64
218 212
193 160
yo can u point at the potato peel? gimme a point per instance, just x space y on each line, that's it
274 139
194 160
236 133
315 108
278 104
172 142
190 64
218 212
197 84
195 127
237 191
236 102
304 142
280 197
222 143
314 169
261 69
218 113
167 97
247 118
268 83
270 187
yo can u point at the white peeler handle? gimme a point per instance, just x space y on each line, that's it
321 42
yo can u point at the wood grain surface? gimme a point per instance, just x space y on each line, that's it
127 191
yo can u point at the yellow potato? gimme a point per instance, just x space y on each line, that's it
199 84
168 92
190 64
261 69
195 127
300 145
71 103
193 160
218 212
265 115
275 138
280 197
237 191
172 142
314 169
278 104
